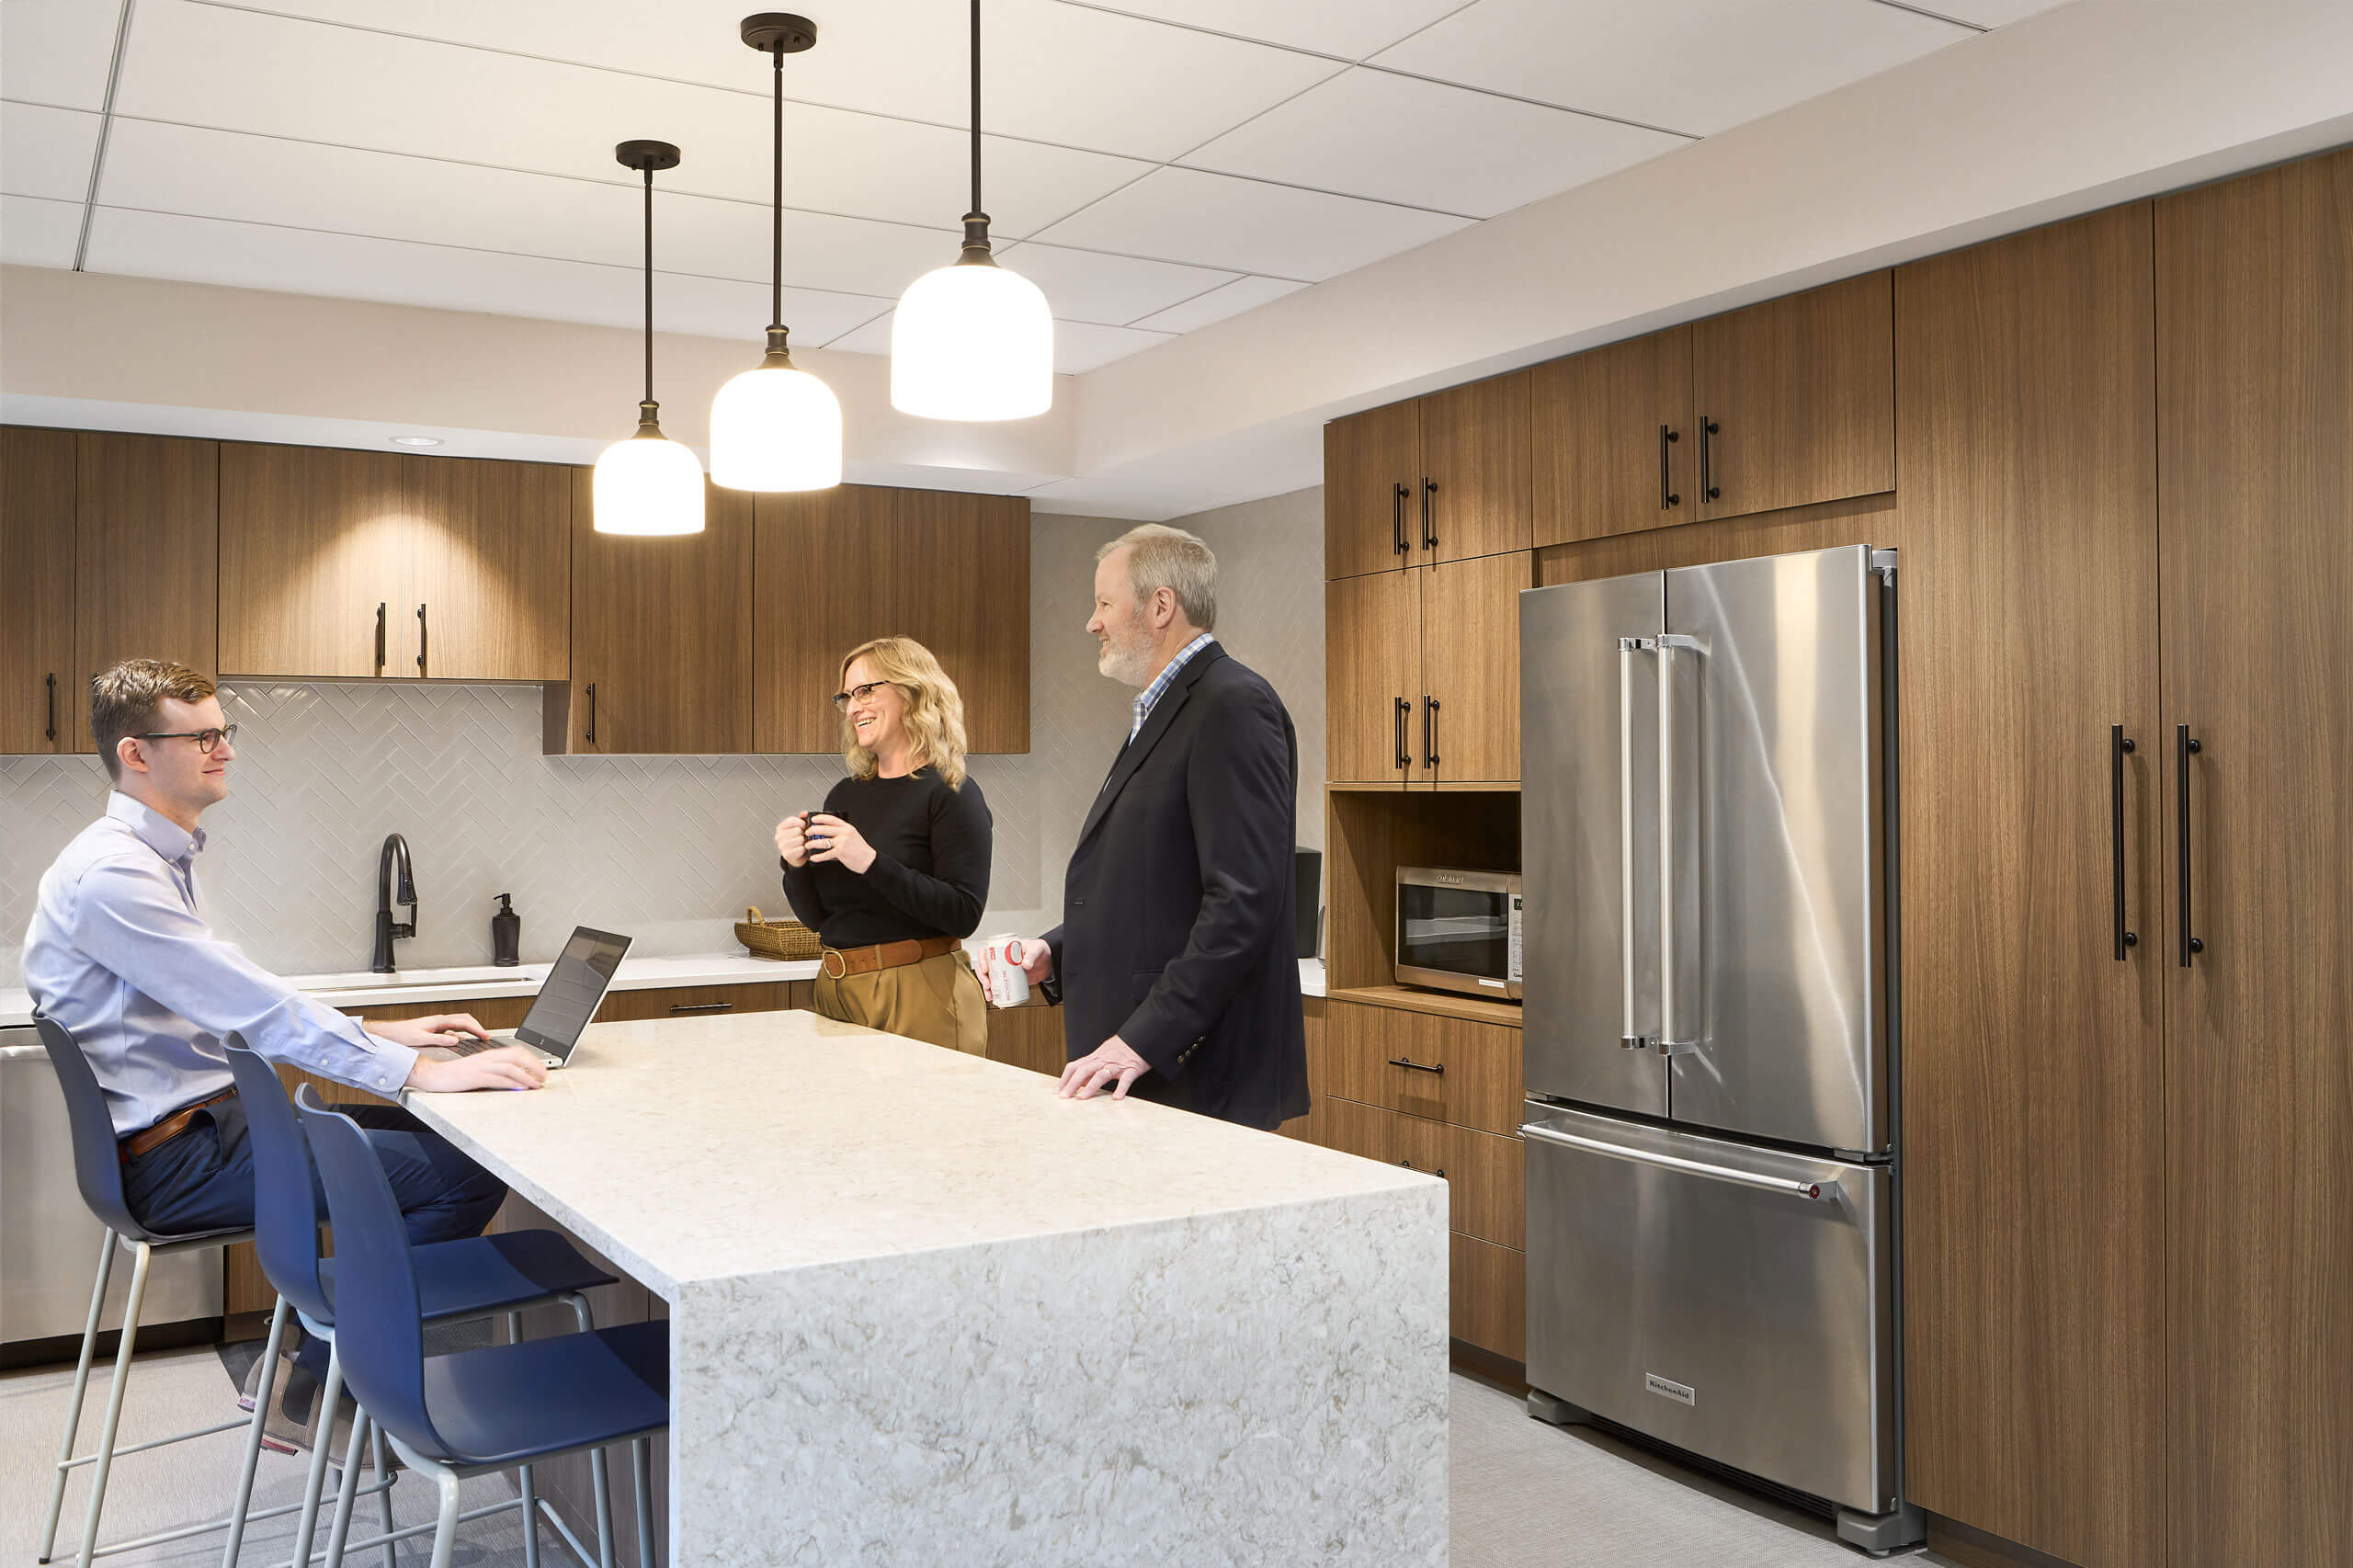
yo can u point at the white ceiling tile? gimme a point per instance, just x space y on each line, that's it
1351 28
297 261
1698 66
1113 290
1242 294
1394 138
874 337
47 152
1217 221
1079 346
34 232
57 51
1991 13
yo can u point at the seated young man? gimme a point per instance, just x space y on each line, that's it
118 950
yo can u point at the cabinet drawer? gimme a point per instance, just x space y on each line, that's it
1486 1187
1488 1296
1441 1068
691 1002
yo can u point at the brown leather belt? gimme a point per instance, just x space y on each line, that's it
129 1148
841 962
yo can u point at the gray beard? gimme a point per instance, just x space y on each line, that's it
1129 663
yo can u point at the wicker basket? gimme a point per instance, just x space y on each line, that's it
784 939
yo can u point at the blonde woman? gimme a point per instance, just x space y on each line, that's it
894 871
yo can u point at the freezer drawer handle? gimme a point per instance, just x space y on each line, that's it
1819 1191
1416 1066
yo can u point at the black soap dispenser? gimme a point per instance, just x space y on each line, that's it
506 934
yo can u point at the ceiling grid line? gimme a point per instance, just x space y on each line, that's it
106 122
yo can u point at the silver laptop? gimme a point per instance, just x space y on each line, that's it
568 999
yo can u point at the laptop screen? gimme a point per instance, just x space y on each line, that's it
573 988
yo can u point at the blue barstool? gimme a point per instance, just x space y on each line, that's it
98 1169
453 1417
474 1278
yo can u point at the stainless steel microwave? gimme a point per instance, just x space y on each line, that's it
1459 930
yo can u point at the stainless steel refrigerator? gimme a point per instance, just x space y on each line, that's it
1708 855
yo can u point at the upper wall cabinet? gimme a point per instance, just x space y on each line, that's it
36 667
146 533
1794 400
1439 478
1424 673
338 564
1614 448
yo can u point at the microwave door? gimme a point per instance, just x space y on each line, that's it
1589 817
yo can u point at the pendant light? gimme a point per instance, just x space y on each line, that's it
775 428
971 340
648 484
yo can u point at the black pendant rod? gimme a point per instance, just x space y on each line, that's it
776 205
646 158
976 108
649 285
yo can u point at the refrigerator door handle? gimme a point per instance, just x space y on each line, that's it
1630 1034
1670 1042
1816 1191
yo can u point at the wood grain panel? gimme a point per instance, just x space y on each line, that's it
1028 1036
2034 1321
962 588
821 559
690 1001
1368 834
1874 520
1310 1128
1488 1176
493 544
1445 1004
1601 420
1488 1286
2254 283
661 627
1470 667
1478 474
1355 1039
146 543
1360 1130
1478 1083
1802 390
37 692
1372 468
312 539
1372 662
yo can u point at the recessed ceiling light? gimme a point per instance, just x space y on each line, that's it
416 440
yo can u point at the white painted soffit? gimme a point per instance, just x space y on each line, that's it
2094 103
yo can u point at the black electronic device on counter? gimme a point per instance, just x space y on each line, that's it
1307 892
506 934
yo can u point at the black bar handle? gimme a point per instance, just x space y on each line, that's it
1439 1171
1429 532
420 639
1707 490
1397 521
592 712
2118 746
701 1006
2185 746
1404 753
51 732
1429 731
1667 499
380 608
1417 1066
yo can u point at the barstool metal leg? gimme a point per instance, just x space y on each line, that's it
641 1465
141 1255
600 1472
81 1386
530 1490
322 1439
347 1494
252 1435
384 1498
445 1529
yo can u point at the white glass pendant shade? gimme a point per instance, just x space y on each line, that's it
973 341
776 428
648 484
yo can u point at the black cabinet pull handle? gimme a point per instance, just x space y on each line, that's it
380 608
2119 744
1667 499
1707 490
1429 732
1397 521
2183 747
1417 1066
420 639
1439 1171
1404 754
51 732
701 1006
592 712
1429 531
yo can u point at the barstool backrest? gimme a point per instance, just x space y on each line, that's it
98 1166
286 1204
379 1330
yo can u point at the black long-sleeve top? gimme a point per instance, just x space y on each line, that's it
930 876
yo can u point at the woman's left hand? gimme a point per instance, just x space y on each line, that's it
833 839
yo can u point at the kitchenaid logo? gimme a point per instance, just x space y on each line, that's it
1444 881
1665 1389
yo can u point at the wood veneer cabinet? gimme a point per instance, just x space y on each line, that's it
146 535
2034 1089
492 567
1372 476
1372 677
38 694
2254 410
1614 450
662 643
963 592
1445 477
1794 400
1423 673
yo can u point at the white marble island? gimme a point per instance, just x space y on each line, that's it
922 1311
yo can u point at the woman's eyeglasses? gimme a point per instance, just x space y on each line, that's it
842 699
206 740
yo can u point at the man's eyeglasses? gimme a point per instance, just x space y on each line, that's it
842 699
206 740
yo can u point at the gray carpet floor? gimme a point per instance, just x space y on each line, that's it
1524 1494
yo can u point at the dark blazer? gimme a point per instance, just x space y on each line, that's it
1177 909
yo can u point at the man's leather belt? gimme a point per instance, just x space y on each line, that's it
842 962
137 1143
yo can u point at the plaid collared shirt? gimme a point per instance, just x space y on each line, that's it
1151 694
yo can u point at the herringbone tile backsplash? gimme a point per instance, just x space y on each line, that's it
669 849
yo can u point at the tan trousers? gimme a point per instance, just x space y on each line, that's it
938 1001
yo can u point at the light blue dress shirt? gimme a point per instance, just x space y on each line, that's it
1149 696
117 952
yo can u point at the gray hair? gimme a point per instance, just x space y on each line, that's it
1162 557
